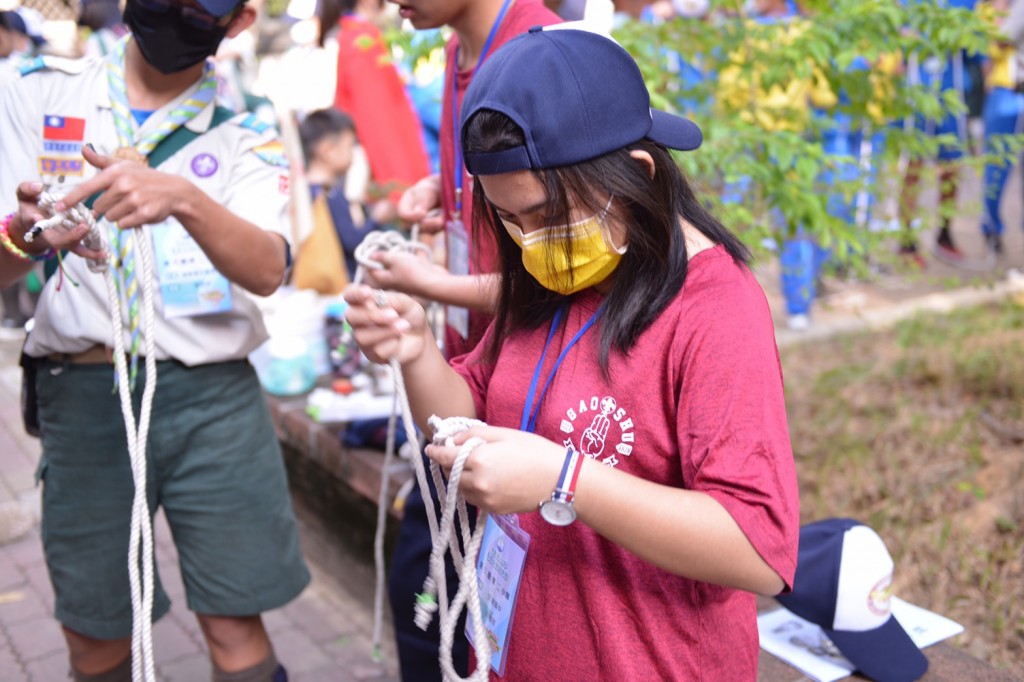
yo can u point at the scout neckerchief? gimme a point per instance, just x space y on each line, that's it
138 150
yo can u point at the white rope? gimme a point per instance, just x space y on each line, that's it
434 597
141 528
390 241
384 242
468 594
67 220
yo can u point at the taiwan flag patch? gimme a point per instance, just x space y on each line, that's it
63 128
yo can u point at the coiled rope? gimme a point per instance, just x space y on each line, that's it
140 541
434 598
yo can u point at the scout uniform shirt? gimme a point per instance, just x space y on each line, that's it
46 117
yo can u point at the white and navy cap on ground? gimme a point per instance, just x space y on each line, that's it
844 584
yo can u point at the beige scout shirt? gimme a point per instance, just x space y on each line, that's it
40 119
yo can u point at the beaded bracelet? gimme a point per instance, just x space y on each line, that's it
12 248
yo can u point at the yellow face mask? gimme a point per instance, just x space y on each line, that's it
593 259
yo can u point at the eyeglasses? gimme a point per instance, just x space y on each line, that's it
193 16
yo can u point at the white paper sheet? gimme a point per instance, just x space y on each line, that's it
804 645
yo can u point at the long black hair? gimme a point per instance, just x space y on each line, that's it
329 12
653 268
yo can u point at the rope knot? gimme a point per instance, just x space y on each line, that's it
446 429
66 220
380 241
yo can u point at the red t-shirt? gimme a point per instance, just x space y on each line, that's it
521 16
370 90
697 404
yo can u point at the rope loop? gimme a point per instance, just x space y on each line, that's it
69 219
386 241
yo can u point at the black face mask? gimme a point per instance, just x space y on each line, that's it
168 39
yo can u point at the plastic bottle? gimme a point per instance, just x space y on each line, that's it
341 347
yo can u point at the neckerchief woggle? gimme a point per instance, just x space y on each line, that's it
126 131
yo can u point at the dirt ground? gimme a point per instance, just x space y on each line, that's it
919 432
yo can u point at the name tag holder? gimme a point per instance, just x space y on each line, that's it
190 285
499 571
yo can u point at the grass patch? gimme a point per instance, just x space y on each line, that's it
919 432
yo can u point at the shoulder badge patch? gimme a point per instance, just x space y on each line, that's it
32 65
254 122
272 153
62 64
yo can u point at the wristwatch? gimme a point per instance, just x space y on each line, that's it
559 510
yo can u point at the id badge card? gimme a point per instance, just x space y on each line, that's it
189 284
499 570
458 264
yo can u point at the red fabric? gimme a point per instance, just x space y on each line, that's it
697 404
370 90
521 16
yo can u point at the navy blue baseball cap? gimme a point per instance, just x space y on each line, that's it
576 95
220 8
27 22
843 584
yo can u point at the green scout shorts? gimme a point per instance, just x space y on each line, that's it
214 465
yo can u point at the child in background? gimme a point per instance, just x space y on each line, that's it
328 140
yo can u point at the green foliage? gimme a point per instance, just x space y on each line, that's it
275 8
413 47
846 56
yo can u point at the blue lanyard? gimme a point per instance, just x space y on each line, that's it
455 104
529 419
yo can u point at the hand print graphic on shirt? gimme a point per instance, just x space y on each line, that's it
594 439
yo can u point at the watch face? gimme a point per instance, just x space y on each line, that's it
557 513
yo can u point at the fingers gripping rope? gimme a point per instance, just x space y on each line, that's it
68 220
385 242
434 598
468 595
140 542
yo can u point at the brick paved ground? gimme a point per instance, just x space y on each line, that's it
324 635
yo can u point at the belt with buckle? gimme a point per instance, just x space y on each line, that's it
94 355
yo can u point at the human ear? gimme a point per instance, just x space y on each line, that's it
645 159
245 18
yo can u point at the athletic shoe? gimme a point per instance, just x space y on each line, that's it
948 252
912 257
799 322
995 243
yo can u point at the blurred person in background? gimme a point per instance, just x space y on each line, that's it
25 32
1003 114
944 75
328 140
101 27
370 90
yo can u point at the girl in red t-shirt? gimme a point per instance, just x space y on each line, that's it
630 380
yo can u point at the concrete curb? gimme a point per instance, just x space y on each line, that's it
887 316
